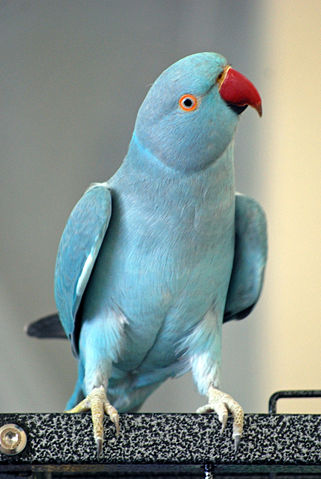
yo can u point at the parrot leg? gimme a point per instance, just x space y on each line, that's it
222 403
97 402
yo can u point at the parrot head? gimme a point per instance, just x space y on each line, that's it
190 113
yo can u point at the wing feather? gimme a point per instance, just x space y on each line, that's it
78 249
249 258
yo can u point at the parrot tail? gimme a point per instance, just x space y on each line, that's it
48 327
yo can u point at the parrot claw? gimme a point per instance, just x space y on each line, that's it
98 404
222 404
237 440
99 444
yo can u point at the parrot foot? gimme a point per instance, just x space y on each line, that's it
97 402
222 403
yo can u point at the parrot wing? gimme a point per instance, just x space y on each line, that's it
78 249
250 257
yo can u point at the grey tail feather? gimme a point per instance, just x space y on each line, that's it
45 328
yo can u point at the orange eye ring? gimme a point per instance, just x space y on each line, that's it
188 102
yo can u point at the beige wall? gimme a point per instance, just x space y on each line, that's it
291 147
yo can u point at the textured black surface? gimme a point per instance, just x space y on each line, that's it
167 442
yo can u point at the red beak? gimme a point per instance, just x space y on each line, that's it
238 91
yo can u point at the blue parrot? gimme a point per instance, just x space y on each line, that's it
153 261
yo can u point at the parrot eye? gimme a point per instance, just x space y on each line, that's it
188 102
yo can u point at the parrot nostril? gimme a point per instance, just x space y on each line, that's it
222 76
219 78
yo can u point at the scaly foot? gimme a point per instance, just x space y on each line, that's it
222 404
97 402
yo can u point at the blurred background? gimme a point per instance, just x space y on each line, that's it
72 76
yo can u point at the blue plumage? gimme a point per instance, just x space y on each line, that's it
151 261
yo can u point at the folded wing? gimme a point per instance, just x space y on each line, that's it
249 258
78 249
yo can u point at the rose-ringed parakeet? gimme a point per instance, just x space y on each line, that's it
153 261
